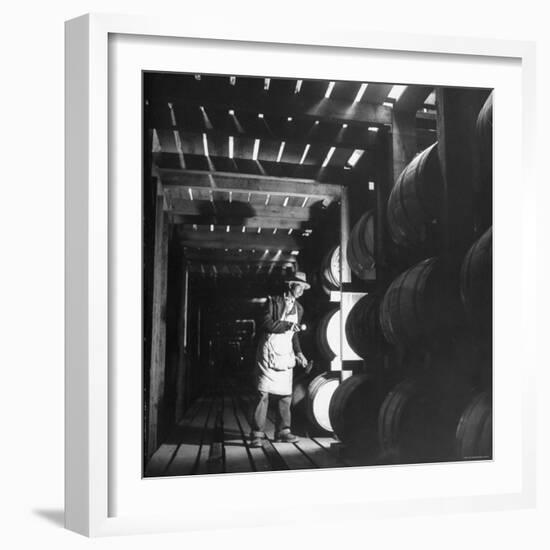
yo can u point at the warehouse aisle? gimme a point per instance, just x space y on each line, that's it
212 437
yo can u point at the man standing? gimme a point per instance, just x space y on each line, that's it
278 352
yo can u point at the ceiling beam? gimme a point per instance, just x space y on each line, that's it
413 98
223 181
297 105
328 134
245 241
377 93
330 174
246 256
256 274
284 224
241 211
268 147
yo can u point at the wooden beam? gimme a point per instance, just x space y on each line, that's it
240 240
224 273
403 140
377 93
242 211
194 255
345 271
236 268
345 277
283 224
297 105
228 229
272 129
384 183
226 181
329 174
158 340
243 257
413 98
426 120
182 391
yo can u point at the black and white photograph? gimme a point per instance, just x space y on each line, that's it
316 274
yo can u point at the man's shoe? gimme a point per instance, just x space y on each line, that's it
257 442
286 437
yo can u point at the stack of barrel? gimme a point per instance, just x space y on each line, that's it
442 306
474 433
331 405
431 322
419 314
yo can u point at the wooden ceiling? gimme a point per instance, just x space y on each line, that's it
248 166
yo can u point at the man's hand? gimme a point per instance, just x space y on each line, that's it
302 361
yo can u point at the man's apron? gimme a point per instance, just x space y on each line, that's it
275 359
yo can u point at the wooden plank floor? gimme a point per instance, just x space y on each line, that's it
213 437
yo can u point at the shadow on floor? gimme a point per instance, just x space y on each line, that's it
57 517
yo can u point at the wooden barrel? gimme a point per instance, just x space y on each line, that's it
418 418
483 184
330 270
363 331
421 304
394 436
360 249
476 281
484 130
300 383
328 335
319 396
415 200
474 433
353 412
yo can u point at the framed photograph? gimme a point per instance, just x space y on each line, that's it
282 278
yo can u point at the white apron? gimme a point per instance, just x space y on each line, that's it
275 359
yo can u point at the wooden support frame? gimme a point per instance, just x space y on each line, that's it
403 140
177 182
345 276
158 338
289 137
412 98
383 186
345 271
327 109
239 240
183 365
193 223
223 210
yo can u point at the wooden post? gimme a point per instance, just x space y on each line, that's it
345 274
181 390
403 141
383 184
149 200
158 339
457 110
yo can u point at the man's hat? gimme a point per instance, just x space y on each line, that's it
298 277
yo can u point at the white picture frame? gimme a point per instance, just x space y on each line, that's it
99 501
